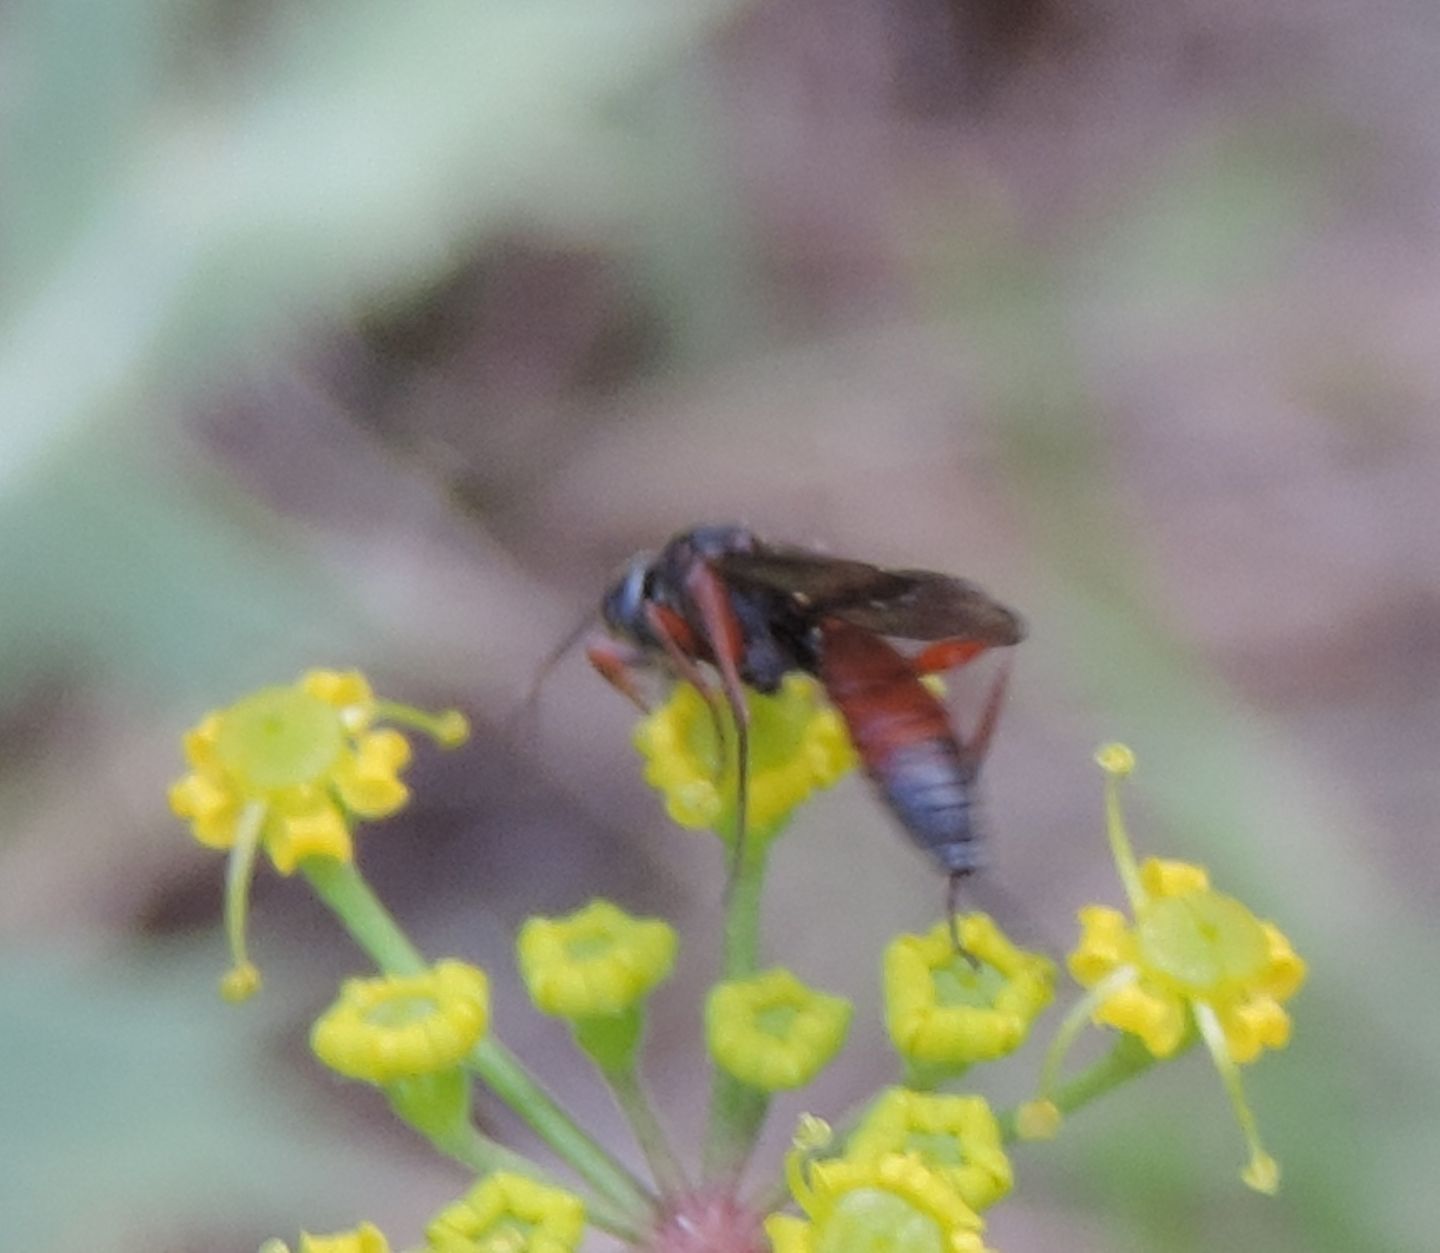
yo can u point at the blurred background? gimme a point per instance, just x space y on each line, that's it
379 334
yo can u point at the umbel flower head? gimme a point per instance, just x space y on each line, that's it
892 1201
1189 957
946 1009
798 745
956 1136
773 1033
397 1027
509 1212
287 770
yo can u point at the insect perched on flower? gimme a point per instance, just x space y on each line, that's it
755 612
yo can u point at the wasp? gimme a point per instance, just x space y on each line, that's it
718 597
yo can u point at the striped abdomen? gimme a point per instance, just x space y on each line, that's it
905 740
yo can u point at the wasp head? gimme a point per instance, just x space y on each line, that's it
623 608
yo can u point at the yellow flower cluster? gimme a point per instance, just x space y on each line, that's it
1188 958
956 1136
287 770
1189 944
597 962
509 1212
798 745
945 1008
397 1027
301 758
893 1201
773 1033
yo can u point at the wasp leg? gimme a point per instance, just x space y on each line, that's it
617 664
979 744
687 668
952 907
726 639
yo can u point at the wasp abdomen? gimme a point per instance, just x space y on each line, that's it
929 790
905 741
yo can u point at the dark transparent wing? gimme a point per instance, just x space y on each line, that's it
908 604
811 578
935 607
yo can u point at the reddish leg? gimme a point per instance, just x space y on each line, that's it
726 639
677 642
979 744
662 627
617 664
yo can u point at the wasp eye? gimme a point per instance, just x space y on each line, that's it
624 606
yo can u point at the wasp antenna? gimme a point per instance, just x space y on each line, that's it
522 713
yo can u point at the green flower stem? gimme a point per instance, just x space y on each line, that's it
370 924
514 1085
634 1102
1127 1059
477 1151
929 1076
372 927
742 907
737 1112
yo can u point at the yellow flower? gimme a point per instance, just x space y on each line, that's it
798 745
287 770
771 1032
597 962
1189 944
309 754
1191 958
366 1238
397 1027
894 1202
508 1213
956 1136
942 1009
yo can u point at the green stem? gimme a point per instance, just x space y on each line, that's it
369 923
742 908
341 886
737 1112
929 1076
514 1085
1128 1058
630 1095
472 1148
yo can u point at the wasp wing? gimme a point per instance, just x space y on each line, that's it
811 579
933 606
907 604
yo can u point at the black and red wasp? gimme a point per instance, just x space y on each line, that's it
717 596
